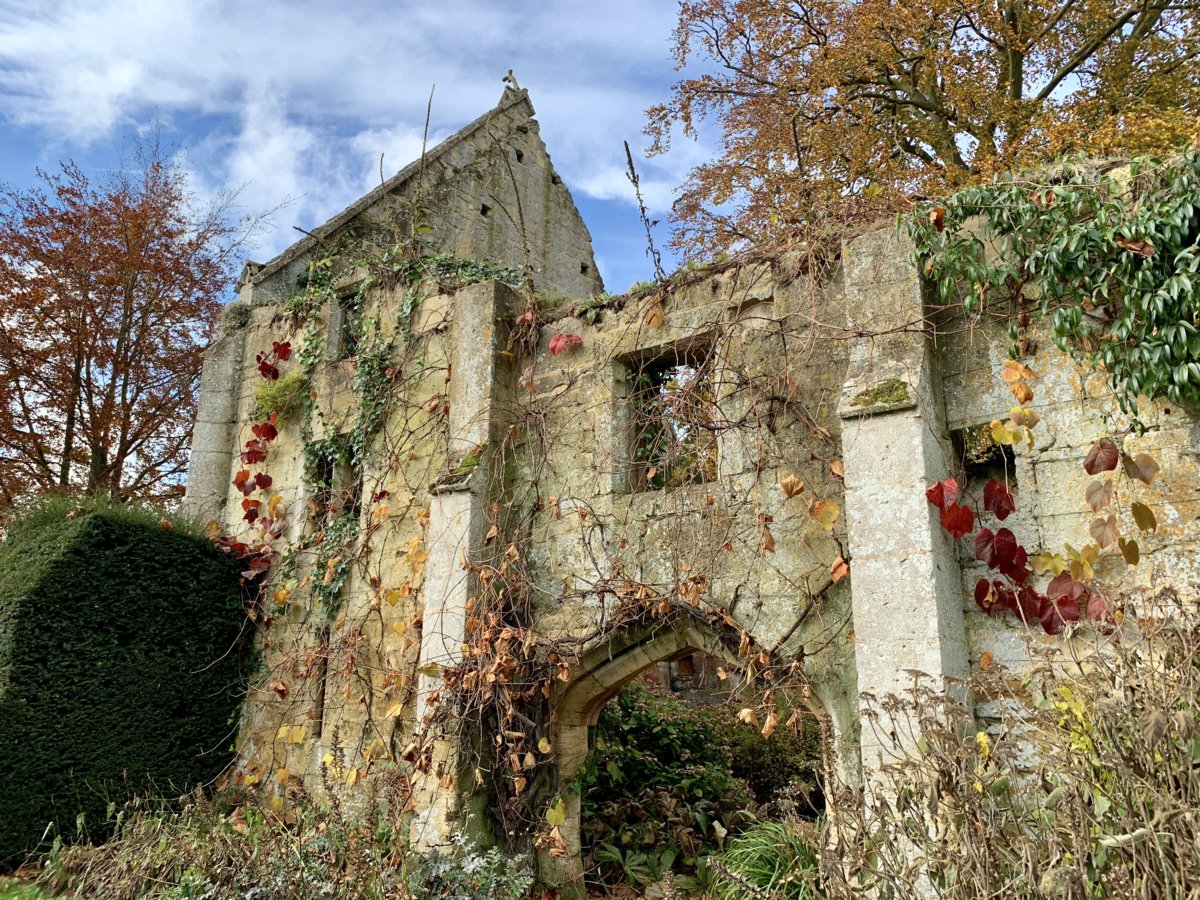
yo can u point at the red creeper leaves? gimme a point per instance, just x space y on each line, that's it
561 342
958 520
280 351
997 500
1103 457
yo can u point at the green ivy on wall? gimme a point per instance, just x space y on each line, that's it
1108 257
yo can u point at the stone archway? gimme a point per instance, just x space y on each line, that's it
597 678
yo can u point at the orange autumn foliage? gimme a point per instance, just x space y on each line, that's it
835 110
109 293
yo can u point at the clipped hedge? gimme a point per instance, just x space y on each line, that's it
119 667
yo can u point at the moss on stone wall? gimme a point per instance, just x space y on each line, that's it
886 393
119 667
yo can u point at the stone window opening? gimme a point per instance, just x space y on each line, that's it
347 326
520 154
981 458
672 439
583 268
339 487
485 210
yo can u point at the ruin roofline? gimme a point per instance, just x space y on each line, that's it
511 98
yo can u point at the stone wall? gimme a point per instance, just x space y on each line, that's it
505 476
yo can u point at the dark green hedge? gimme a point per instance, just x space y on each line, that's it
120 667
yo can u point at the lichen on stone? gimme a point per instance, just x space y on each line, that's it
893 390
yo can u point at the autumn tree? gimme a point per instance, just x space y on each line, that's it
830 110
109 292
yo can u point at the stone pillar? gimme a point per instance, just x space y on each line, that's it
214 436
905 579
481 380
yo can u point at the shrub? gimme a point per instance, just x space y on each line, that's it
788 761
656 781
236 315
119 665
285 396
775 860
469 874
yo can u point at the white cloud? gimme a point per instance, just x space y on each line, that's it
298 99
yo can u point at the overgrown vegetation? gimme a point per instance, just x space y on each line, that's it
284 397
120 664
666 782
771 861
1085 784
1109 258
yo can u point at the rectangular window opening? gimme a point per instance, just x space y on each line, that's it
981 457
672 418
349 325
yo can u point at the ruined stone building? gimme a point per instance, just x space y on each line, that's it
491 495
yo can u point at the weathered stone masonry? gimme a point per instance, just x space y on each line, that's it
831 374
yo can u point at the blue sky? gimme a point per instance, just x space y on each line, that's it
297 100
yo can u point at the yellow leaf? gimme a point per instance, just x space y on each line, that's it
273 505
1047 563
985 744
748 717
1002 434
399 626
298 734
519 784
282 775
825 513
283 732
327 759
352 777
544 746
769 726
394 710
1023 418
557 814
280 596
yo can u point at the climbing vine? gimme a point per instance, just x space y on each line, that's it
1107 256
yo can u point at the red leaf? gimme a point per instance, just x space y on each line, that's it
561 342
1103 457
525 318
996 550
943 494
251 508
1029 604
984 595
265 431
283 349
1064 587
243 482
1097 607
958 520
255 452
268 371
997 500
262 481
1016 568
